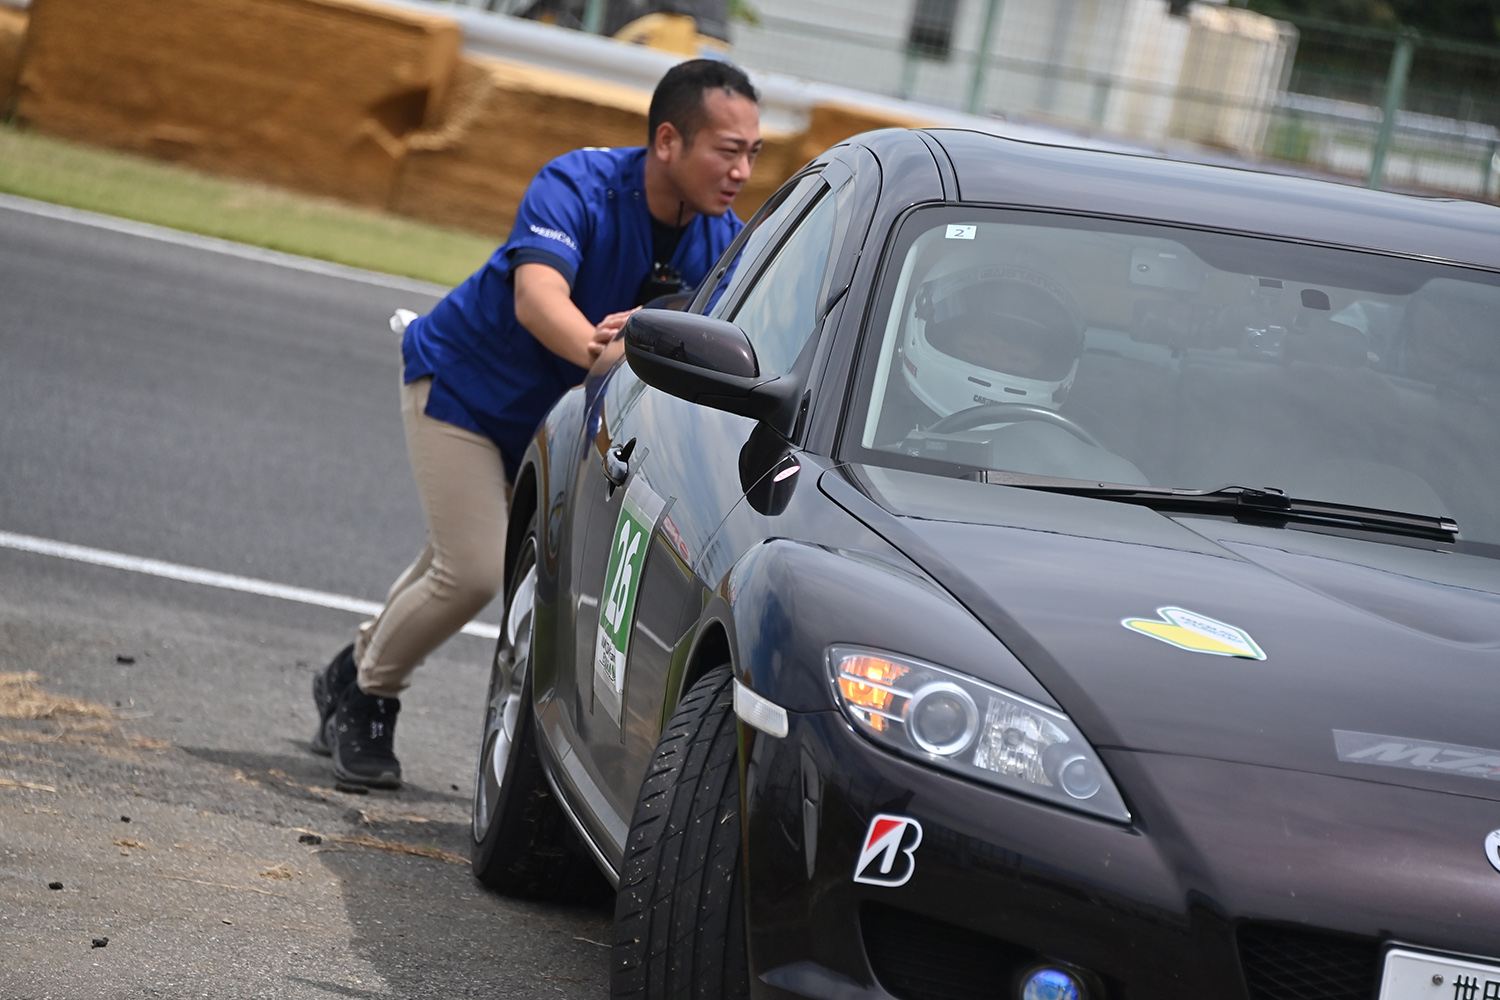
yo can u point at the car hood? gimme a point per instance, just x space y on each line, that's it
1364 656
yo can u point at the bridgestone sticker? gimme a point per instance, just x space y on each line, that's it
888 855
639 511
1416 755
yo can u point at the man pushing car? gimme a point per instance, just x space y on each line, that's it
598 233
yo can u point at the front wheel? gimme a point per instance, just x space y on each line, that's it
680 911
521 842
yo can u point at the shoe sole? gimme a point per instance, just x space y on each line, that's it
385 779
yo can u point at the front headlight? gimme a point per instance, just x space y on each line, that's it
952 721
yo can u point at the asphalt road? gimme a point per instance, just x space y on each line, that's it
167 400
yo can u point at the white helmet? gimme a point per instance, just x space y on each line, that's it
996 333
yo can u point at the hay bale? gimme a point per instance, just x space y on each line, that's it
503 121
316 95
12 34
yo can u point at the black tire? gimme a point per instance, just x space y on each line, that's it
680 911
521 843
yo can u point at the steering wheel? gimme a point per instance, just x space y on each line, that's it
1010 413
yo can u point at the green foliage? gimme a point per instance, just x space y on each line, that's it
740 10
1467 20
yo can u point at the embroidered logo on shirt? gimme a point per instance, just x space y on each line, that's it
555 234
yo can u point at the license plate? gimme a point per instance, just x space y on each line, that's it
1416 975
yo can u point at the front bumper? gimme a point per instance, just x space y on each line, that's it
1229 874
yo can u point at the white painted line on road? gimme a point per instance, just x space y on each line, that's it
208 578
212 244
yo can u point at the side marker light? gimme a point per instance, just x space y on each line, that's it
759 712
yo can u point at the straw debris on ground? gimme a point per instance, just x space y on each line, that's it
21 698
420 850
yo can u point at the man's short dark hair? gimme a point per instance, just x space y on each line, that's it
679 96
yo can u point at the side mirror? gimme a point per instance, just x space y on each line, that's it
709 362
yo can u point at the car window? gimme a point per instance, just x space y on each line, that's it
730 278
780 310
1103 351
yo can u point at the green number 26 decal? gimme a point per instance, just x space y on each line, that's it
639 511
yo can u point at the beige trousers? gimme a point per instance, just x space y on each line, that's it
461 481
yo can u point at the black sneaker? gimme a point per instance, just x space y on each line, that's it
364 730
327 683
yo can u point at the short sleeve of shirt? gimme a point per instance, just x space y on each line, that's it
554 218
536 255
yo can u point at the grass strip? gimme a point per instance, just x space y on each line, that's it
133 187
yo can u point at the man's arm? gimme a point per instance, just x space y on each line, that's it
545 308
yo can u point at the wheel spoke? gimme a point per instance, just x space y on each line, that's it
503 712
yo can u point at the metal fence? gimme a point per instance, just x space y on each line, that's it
1394 110
1399 109
1390 109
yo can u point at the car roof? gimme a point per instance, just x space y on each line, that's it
991 169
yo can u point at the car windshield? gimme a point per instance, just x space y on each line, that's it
1123 353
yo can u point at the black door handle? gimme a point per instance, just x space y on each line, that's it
617 463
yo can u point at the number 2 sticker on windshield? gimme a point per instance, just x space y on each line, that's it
640 509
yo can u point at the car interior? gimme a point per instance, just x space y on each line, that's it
1189 359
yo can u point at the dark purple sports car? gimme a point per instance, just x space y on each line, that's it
1025 572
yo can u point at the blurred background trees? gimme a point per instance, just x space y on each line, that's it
1469 20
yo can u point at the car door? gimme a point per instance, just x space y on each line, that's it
658 477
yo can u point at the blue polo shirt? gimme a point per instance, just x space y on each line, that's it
585 214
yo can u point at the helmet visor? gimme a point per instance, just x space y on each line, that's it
1008 343
1007 324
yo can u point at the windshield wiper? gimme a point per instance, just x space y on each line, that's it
1248 503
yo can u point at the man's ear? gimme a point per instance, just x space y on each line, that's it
667 142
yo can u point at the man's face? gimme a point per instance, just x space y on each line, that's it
709 171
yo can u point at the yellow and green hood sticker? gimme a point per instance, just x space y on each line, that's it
1197 633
